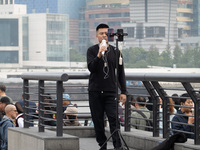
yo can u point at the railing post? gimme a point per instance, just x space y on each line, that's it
59 109
154 96
127 125
195 99
165 107
41 106
26 103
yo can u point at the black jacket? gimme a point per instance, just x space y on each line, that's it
182 119
97 81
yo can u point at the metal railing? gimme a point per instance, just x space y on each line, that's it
154 87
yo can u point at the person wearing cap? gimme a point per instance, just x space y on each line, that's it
71 116
3 93
7 121
4 101
66 100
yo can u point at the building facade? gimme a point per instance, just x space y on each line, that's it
48 37
70 7
185 16
152 22
195 27
11 41
112 12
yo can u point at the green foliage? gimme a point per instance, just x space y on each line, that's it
140 58
153 56
76 56
135 57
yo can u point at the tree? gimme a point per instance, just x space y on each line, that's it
186 61
76 56
153 56
133 56
166 59
177 53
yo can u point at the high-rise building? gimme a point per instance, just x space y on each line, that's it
152 22
185 16
111 12
70 7
11 41
32 39
195 26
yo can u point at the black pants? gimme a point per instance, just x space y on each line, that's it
101 102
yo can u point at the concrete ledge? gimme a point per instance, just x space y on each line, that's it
79 131
144 140
31 139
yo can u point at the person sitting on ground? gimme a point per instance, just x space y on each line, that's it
3 93
19 121
7 121
4 101
184 116
71 115
140 107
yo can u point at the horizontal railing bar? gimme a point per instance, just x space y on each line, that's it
47 76
169 77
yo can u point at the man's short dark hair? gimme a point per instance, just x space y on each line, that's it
141 99
3 88
184 97
5 100
102 25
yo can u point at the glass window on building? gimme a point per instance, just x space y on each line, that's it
11 1
9 57
6 1
8 32
155 31
130 31
1 2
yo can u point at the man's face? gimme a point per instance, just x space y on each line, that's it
101 34
13 113
188 103
2 107
65 102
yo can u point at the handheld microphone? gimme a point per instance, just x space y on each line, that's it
103 43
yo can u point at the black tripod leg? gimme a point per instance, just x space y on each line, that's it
122 141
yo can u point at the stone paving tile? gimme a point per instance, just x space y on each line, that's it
91 144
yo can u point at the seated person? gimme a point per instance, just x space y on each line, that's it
32 108
19 121
184 119
71 115
139 123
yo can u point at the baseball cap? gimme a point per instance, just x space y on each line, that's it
71 110
66 96
5 99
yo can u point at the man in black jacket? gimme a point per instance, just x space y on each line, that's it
102 86
184 116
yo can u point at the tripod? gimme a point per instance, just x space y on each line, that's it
122 143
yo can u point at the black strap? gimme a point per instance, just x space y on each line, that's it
141 113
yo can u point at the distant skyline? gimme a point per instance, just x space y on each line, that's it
70 7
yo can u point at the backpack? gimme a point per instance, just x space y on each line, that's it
149 123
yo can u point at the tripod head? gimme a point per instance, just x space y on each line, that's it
120 34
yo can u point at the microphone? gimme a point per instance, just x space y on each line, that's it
103 43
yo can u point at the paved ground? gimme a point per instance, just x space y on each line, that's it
91 144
